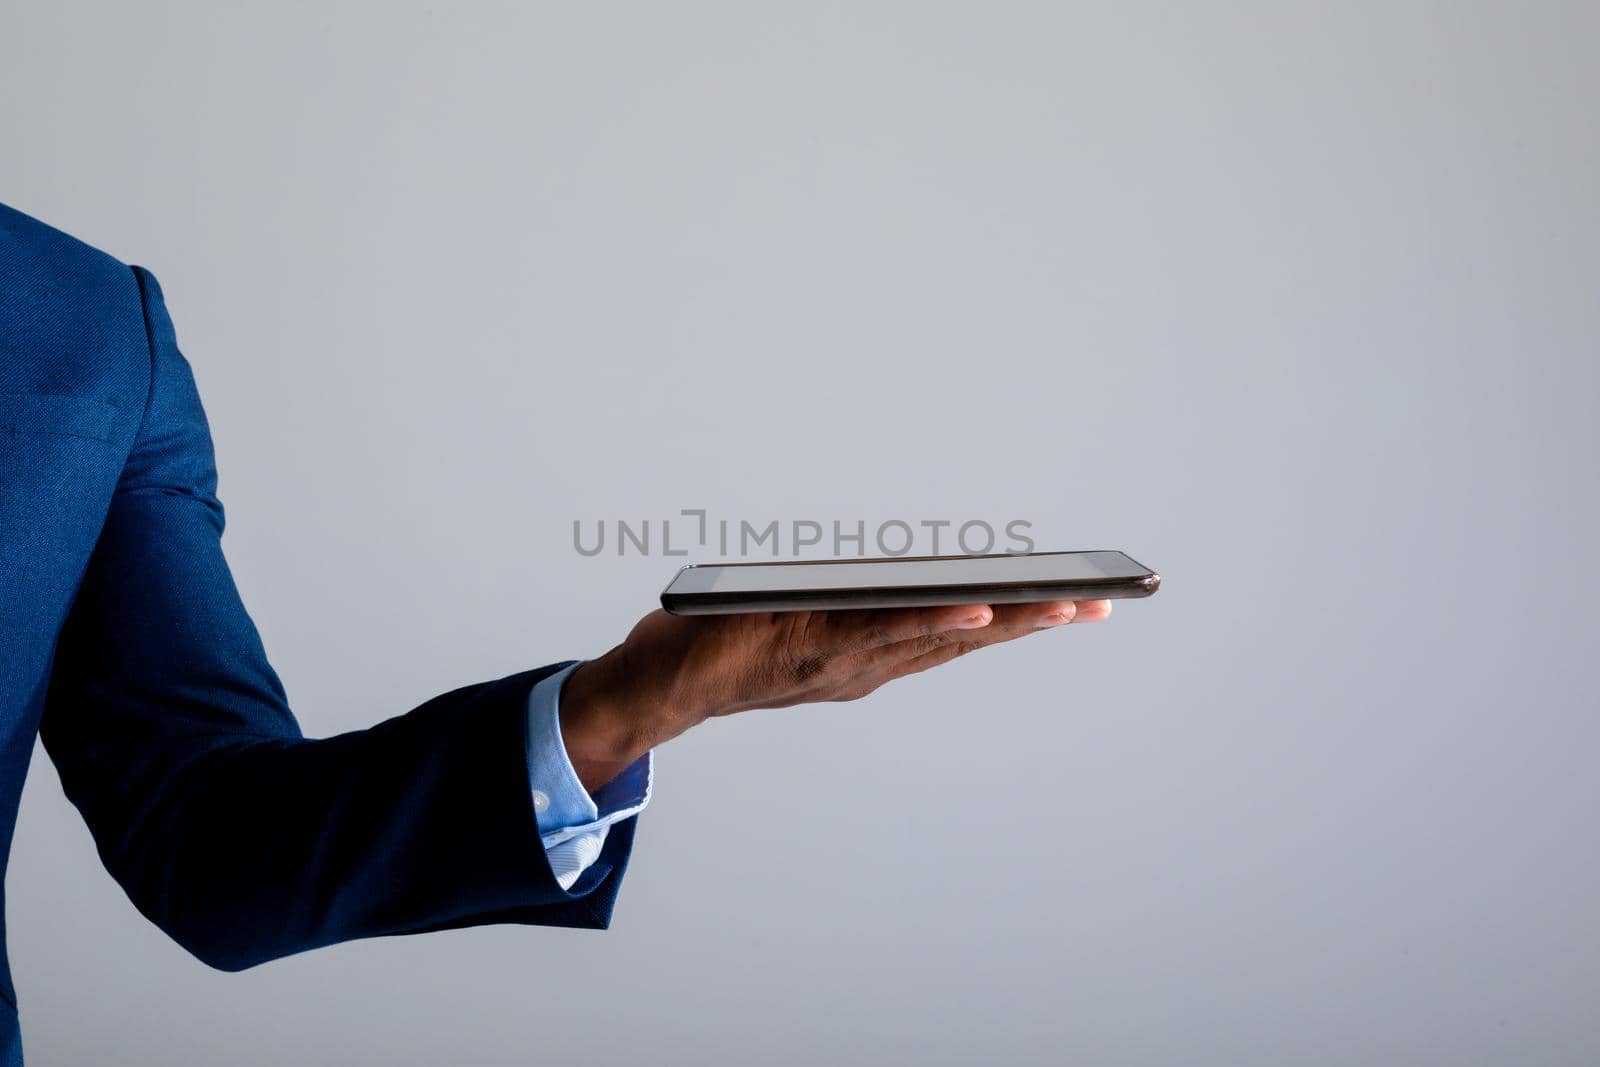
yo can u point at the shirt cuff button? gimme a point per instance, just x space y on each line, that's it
541 802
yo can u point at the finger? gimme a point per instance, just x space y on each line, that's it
1009 623
1093 611
960 644
1053 613
846 633
929 660
1035 616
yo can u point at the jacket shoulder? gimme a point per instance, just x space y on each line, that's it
71 316
26 236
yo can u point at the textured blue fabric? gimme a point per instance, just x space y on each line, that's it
123 642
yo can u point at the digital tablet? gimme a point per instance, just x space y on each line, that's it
906 582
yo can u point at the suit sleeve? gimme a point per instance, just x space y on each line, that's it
241 838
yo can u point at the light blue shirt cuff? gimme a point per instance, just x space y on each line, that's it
573 824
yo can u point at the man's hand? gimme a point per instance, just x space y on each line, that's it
674 672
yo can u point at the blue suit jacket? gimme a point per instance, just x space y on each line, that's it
123 642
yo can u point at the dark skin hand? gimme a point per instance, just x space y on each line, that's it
674 672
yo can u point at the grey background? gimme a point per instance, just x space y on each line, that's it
1295 302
